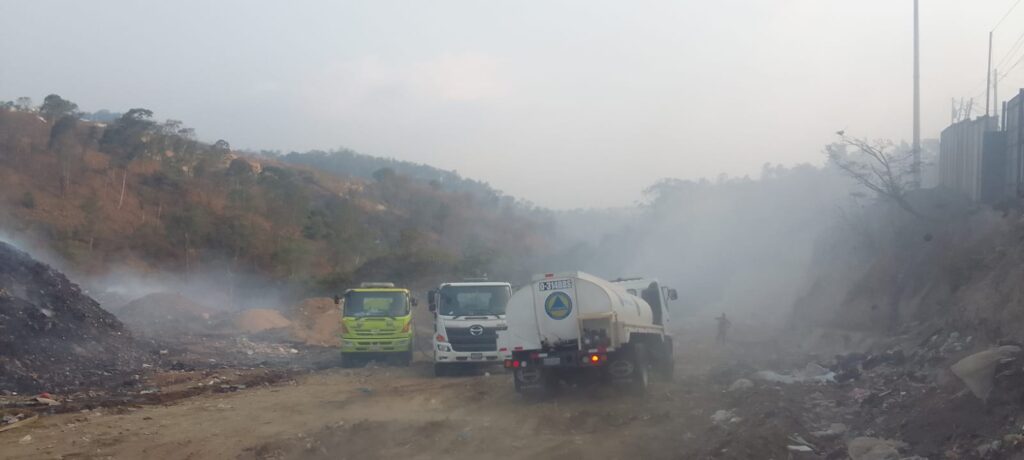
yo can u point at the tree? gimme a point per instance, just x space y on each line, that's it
55 107
878 166
64 142
128 138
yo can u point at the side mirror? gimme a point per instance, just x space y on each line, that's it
673 294
337 300
432 307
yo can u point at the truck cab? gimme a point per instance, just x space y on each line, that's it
467 318
376 323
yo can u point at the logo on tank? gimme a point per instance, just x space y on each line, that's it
558 305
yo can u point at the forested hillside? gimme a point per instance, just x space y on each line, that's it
146 194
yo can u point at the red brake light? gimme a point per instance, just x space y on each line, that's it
515 363
440 338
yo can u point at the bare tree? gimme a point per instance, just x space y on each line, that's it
878 166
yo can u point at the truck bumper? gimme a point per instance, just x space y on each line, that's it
376 345
442 355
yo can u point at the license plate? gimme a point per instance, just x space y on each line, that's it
552 361
476 356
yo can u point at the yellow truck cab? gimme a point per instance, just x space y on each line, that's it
376 323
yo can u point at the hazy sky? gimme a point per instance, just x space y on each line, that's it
565 103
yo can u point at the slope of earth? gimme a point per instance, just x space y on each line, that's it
52 336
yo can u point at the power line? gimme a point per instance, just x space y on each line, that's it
1006 15
1013 50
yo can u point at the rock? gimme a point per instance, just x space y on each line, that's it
864 448
741 384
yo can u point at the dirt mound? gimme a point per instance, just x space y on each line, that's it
317 322
52 336
259 320
166 313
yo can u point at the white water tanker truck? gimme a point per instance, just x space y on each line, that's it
576 328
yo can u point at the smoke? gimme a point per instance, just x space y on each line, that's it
740 246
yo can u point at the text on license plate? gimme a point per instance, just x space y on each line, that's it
554 361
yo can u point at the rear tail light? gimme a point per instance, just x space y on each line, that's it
595 359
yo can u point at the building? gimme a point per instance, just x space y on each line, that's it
962 150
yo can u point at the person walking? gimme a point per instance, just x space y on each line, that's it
723 328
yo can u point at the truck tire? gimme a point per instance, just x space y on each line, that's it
641 377
665 364
535 383
406 359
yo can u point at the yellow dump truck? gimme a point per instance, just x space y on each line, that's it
376 323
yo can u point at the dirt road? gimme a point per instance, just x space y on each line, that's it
407 413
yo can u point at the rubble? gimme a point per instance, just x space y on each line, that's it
978 371
52 335
865 448
167 314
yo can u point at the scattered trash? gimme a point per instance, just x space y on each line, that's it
865 448
799 448
741 384
811 373
834 430
722 417
977 371
10 422
25 440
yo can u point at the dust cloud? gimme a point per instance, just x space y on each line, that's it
742 246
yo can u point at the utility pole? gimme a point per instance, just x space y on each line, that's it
988 75
995 94
917 102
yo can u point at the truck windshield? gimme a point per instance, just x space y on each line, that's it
474 300
376 304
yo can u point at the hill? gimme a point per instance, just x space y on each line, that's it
146 195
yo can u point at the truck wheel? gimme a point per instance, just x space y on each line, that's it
665 364
406 359
534 383
641 373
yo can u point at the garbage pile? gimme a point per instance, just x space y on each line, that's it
52 336
940 395
167 314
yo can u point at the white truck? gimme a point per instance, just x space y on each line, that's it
467 318
577 328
